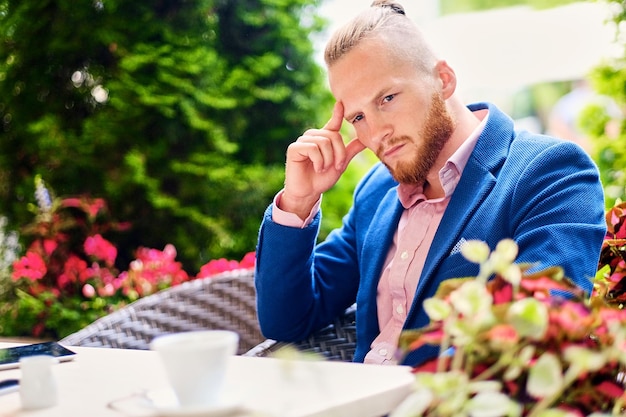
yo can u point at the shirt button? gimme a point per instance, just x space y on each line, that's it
404 255
399 309
382 352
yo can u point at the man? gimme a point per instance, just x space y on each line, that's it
448 173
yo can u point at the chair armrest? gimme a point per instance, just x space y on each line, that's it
336 342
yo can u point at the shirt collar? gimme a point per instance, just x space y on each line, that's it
450 173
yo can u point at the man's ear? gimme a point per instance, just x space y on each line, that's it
447 78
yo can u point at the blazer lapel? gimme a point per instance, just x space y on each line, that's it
476 182
377 241
470 192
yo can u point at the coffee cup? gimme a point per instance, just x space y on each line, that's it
38 387
195 363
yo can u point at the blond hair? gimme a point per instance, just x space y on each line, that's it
385 21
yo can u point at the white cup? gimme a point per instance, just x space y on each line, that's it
195 364
37 387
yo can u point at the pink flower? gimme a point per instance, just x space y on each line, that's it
217 266
504 294
31 266
89 291
617 276
248 261
100 248
153 268
107 291
169 252
611 315
543 284
572 318
103 275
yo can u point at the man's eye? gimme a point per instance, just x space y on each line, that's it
357 118
388 98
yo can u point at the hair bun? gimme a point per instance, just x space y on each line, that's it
387 4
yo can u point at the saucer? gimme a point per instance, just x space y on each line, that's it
165 404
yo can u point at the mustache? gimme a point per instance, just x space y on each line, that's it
391 142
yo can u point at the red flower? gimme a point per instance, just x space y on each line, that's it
30 266
70 265
49 246
90 206
428 366
74 271
610 389
38 329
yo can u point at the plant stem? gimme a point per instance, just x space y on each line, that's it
442 360
502 362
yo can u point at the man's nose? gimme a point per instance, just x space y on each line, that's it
381 129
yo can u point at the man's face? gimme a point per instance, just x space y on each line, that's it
396 111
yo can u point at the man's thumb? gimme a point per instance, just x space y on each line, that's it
354 147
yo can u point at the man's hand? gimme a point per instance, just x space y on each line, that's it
315 163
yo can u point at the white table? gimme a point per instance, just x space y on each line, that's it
263 386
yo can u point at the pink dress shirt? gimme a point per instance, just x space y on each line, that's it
407 254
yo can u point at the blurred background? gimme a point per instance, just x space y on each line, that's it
501 54
177 114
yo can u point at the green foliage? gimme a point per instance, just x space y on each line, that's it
517 348
177 113
67 278
9 249
26 312
610 154
464 6
609 134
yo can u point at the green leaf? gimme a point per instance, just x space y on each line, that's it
492 404
475 251
545 377
471 298
415 404
529 316
437 309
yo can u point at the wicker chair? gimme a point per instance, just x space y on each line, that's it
335 342
226 301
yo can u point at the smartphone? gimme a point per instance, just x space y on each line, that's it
9 385
10 357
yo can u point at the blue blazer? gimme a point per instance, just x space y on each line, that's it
542 192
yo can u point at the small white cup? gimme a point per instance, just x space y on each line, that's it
37 387
195 364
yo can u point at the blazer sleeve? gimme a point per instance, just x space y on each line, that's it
558 210
301 285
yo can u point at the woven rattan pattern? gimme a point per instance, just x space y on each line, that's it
226 301
336 342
